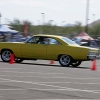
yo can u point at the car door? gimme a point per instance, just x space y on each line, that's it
54 49
33 50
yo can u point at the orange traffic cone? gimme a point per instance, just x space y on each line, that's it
52 62
94 65
12 60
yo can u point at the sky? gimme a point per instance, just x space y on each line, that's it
61 12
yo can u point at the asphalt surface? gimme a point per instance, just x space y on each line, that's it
39 79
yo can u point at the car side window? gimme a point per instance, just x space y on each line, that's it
36 40
53 41
32 40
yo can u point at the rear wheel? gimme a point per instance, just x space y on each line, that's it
75 63
65 60
6 55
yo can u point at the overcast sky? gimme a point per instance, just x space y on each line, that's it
60 11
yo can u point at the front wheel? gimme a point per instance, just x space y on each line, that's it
75 63
65 60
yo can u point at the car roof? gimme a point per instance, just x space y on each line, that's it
53 36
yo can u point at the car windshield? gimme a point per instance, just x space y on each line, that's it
28 39
67 40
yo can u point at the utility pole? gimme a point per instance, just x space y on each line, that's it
0 18
43 18
43 21
87 18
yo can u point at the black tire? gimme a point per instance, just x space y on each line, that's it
18 60
6 55
6 58
65 60
75 63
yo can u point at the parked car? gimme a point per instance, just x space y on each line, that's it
92 44
48 47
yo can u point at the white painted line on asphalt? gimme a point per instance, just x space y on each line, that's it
25 76
31 72
29 82
67 89
60 83
53 77
10 68
69 78
11 89
68 83
95 91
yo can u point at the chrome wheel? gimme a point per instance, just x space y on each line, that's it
65 60
6 55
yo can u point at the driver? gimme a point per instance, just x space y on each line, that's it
41 40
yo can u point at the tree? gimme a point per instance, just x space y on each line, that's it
48 28
95 30
19 25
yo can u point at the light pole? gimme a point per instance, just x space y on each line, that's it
43 21
87 15
51 22
38 22
43 18
93 18
39 26
0 18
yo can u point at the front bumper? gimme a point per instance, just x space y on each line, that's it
93 57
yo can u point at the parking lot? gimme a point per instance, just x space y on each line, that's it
41 80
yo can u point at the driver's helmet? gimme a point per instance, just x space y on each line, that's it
41 39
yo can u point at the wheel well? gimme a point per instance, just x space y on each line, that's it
6 49
59 56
